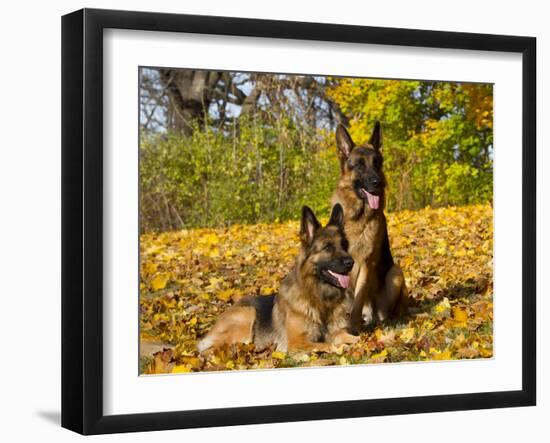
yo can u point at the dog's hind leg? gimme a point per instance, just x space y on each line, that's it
401 308
236 325
387 299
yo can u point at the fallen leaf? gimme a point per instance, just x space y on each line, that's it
188 278
407 334
460 314
159 282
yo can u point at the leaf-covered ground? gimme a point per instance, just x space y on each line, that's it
189 277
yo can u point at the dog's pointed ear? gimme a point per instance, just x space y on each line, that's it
337 216
344 143
376 137
309 226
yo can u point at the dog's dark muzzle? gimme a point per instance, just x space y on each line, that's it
373 184
343 265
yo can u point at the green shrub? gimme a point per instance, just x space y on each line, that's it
256 173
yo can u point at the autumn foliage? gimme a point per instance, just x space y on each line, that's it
262 166
188 277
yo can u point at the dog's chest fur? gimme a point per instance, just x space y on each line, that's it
365 238
364 228
319 317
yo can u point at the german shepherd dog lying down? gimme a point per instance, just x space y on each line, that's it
310 312
377 283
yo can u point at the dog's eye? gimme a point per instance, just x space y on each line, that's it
327 247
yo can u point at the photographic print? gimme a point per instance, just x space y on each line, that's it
291 221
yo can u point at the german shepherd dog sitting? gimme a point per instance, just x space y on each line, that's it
377 283
309 312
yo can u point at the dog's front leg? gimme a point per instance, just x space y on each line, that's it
360 301
342 337
309 346
300 342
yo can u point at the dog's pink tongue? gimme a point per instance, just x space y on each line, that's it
343 280
374 200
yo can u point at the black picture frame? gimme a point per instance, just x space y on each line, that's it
82 219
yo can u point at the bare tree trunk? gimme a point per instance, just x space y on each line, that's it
191 93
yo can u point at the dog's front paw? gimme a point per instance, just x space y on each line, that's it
344 338
349 339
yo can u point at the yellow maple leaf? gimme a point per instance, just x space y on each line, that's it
382 354
460 314
443 306
149 268
460 253
407 334
268 290
213 253
225 295
445 355
427 325
343 361
209 239
179 369
278 355
485 352
159 282
215 280
192 362
229 253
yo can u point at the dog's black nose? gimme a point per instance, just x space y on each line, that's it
347 262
